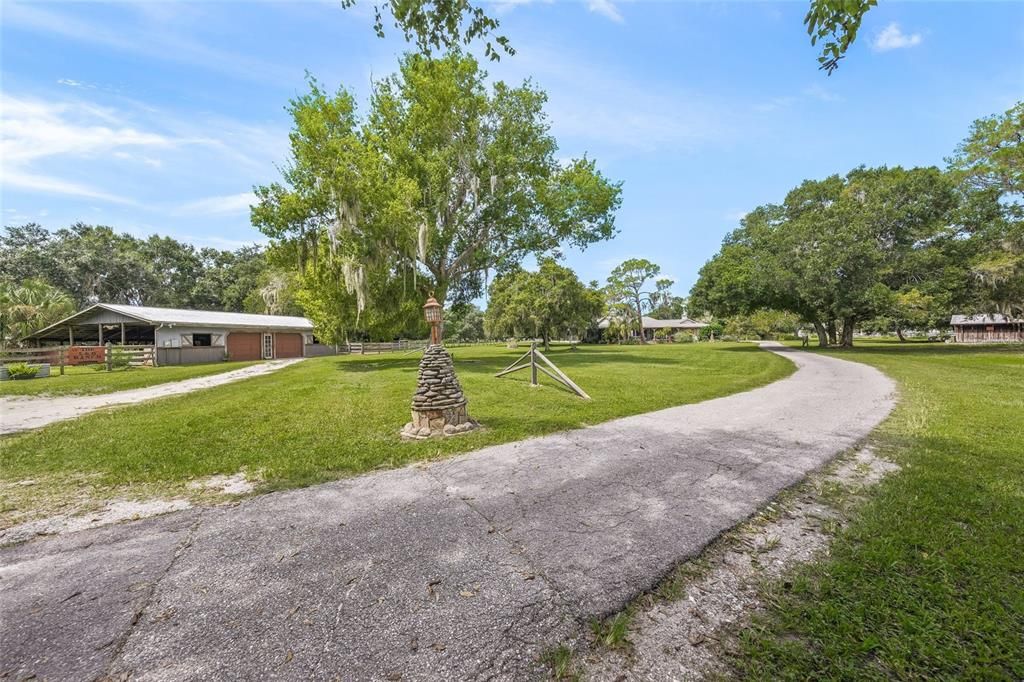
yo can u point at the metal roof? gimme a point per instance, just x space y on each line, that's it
983 318
195 318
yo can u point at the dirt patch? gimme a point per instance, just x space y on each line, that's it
676 632
114 512
236 484
70 506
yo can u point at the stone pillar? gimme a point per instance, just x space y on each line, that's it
439 405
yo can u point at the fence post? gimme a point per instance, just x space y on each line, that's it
533 364
109 355
60 358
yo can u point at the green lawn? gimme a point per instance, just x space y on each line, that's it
331 417
85 380
928 580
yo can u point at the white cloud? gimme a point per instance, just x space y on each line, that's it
605 8
18 178
893 38
78 148
222 205
774 104
35 131
72 83
148 31
811 92
819 92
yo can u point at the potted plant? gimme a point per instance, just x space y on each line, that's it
22 370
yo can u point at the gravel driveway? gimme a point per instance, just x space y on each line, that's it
21 413
467 568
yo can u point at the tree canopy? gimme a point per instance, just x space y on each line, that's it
841 249
444 181
626 291
835 23
445 25
547 303
440 25
893 247
96 263
30 305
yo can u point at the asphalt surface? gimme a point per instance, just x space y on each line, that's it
469 568
20 413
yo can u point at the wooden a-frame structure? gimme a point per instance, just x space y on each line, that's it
529 359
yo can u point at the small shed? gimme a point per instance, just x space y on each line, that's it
987 328
184 337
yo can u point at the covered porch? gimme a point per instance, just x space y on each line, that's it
96 327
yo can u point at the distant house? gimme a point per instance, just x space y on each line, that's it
991 328
184 337
651 325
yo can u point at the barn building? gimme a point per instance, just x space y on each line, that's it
991 328
185 337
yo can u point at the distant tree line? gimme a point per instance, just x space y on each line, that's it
46 275
889 248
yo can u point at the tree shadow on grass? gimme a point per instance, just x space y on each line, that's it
925 349
581 356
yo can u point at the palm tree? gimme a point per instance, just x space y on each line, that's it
28 306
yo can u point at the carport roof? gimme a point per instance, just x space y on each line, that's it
195 318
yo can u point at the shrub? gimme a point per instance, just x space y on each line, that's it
22 370
120 358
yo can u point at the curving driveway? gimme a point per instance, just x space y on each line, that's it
19 413
467 568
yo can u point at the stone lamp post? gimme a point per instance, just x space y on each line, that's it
439 405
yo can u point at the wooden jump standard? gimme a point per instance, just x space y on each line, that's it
529 359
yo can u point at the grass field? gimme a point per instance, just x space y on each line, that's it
928 581
331 417
84 380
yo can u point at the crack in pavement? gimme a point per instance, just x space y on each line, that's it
151 592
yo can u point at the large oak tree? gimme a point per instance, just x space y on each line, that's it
445 180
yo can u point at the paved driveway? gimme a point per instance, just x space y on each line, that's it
468 568
19 413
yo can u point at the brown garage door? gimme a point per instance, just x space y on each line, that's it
244 346
288 345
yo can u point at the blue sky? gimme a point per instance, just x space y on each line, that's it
160 117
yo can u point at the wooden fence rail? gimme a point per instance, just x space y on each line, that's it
362 348
64 356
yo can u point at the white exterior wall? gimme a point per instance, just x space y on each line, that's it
170 337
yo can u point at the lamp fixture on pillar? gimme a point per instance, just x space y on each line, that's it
439 405
432 311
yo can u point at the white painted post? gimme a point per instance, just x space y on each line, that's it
122 333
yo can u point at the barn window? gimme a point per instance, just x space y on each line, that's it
201 340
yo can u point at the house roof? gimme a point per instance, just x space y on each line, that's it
654 323
985 318
195 318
